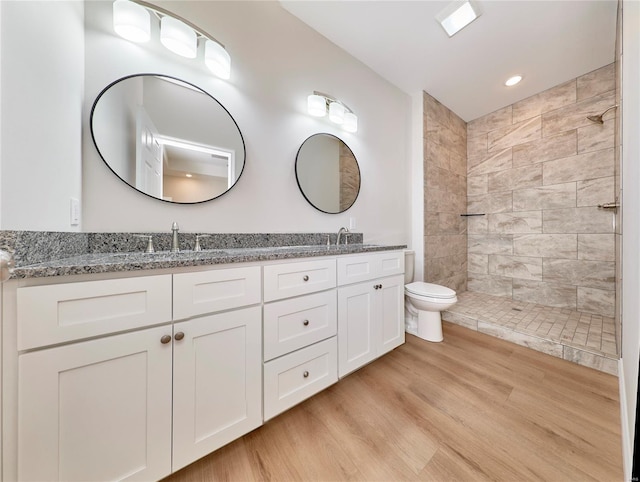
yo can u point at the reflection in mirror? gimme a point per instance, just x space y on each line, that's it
328 174
167 138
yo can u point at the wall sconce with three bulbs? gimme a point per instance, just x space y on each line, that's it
132 21
318 104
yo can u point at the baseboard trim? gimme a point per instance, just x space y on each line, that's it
627 447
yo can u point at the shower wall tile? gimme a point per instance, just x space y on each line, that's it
577 220
546 245
593 300
444 223
515 267
584 273
545 197
538 169
515 223
445 246
596 191
597 82
435 154
596 137
514 179
545 149
545 293
550 99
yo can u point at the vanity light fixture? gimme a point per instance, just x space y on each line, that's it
339 113
458 15
132 20
511 81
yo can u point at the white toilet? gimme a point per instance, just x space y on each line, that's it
423 303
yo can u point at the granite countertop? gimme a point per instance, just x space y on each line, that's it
134 261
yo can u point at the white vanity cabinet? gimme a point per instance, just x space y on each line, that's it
300 346
370 307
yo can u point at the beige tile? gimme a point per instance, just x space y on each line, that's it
491 285
435 154
490 122
597 82
546 245
545 197
458 126
477 146
545 149
548 294
530 341
522 267
590 274
437 200
596 137
596 191
461 320
575 115
590 165
554 98
490 244
591 360
593 300
444 223
435 112
512 179
520 133
477 224
497 161
497 202
596 247
477 185
458 164
577 220
445 246
512 223
478 263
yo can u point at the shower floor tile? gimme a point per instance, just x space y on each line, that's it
581 337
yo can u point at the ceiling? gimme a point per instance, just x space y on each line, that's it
547 42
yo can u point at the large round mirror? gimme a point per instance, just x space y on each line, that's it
167 138
328 174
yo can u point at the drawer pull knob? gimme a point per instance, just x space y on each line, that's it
165 339
305 322
179 336
305 374
305 277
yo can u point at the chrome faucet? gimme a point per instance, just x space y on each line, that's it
341 231
175 247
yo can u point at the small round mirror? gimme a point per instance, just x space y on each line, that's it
328 174
167 138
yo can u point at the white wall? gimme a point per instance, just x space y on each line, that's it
42 52
277 61
630 222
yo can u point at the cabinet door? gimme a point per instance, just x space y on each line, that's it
358 333
96 410
217 382
390 308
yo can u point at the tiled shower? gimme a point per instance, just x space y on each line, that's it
535 173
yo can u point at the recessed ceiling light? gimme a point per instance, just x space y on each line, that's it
189 175
511 81
458 15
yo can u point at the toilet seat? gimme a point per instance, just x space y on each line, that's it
430 290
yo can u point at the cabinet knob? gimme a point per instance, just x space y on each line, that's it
305 277
380 286
305 322
305 374
179 336
165 339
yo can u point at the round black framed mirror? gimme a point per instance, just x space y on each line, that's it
167 138
328 174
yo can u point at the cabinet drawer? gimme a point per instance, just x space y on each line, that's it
353 269
295 279
71 311
216 290
298 322
290 379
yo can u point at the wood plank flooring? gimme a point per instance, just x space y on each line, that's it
471 408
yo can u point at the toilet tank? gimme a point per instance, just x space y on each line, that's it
409 265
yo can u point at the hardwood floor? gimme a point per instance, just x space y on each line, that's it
470 408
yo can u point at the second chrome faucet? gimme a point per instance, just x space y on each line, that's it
175 245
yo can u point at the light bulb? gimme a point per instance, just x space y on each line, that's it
178 37
350 122
217 59
336 112
131 21
316 105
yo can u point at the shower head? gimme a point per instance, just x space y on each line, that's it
598 118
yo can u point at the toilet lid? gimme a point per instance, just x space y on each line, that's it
430 289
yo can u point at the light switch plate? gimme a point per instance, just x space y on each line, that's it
74 212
